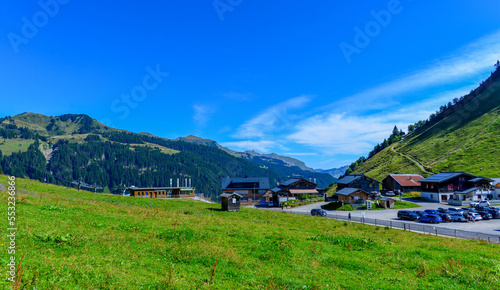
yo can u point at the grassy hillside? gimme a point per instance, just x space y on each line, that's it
75 239
466 139
388 161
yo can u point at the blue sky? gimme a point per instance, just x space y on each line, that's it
320 81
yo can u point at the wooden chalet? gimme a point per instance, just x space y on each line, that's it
402 182
292 189
456 186
359 181
251 189
352 195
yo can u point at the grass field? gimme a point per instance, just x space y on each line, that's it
9 146
79 240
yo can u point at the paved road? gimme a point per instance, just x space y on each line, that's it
389 218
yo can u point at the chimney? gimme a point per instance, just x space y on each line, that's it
410 177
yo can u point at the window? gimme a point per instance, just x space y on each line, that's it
432 196
450 186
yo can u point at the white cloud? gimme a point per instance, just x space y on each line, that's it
471 60
340 134
273 119
202 114
335 133
259 146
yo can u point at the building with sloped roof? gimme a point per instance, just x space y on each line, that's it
251 189
292 189
402 182
352 195
360 181
456 187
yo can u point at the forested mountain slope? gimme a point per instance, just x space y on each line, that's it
76 148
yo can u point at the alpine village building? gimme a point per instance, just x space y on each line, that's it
402 182
292 189
456 187
356 188
251 189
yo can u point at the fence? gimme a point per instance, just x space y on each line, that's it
417 227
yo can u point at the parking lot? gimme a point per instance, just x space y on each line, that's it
389 217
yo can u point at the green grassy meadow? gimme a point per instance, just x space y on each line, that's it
80 240
9 146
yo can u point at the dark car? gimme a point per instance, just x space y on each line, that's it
431 211
430 218
318 212
485 215
494 212
407 215
419 212
445 217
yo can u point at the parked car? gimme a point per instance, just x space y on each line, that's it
407 215
263 203
456 209
484 203
445 217
270 204
473 203
485 215
419 212
390 193
442 210
458 217
430 218
476 216
318 212
494 212
431 211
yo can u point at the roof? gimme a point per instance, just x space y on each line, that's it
466 191
407 179
290 181
348 191
245 183
386 198
229 194
353 177
444 176
479 178
293 180
277 189
349 178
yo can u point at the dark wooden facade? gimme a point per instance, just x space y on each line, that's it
251 189
293 188
359 181
230 201
352 195
402 182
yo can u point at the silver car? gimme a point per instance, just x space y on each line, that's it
458 217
